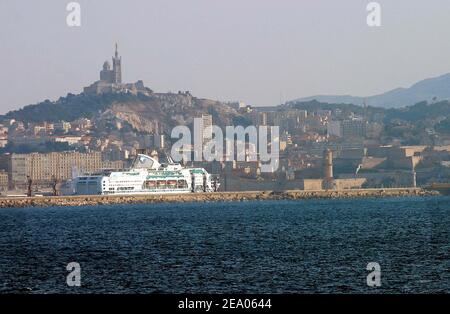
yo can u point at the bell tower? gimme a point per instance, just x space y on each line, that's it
117 68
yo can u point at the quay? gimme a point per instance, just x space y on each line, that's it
92 200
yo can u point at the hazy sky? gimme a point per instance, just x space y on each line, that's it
257 51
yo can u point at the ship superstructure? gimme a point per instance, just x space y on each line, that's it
146 176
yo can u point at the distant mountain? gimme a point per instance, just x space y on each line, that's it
425 90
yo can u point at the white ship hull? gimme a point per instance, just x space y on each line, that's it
146 176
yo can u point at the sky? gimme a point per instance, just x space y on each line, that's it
262 52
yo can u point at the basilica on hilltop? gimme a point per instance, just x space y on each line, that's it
111 80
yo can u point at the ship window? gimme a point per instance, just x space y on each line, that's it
161 184
182 184
143 162
127 188
172 184
150 184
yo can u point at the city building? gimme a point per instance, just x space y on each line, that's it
334 129
43 168
70 140
4 180
159 141
347 128
206 128
354 128
62 126
3 140
81 124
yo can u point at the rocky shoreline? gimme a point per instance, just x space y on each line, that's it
92 200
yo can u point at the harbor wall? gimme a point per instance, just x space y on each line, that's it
206 197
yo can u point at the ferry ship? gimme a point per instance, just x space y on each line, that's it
146 176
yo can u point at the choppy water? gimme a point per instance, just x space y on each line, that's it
249 247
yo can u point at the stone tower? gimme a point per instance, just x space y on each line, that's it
117 68
328 169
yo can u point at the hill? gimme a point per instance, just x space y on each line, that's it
144 113
437 88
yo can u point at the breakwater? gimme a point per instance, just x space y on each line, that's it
84 200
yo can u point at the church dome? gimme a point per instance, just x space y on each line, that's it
106 66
